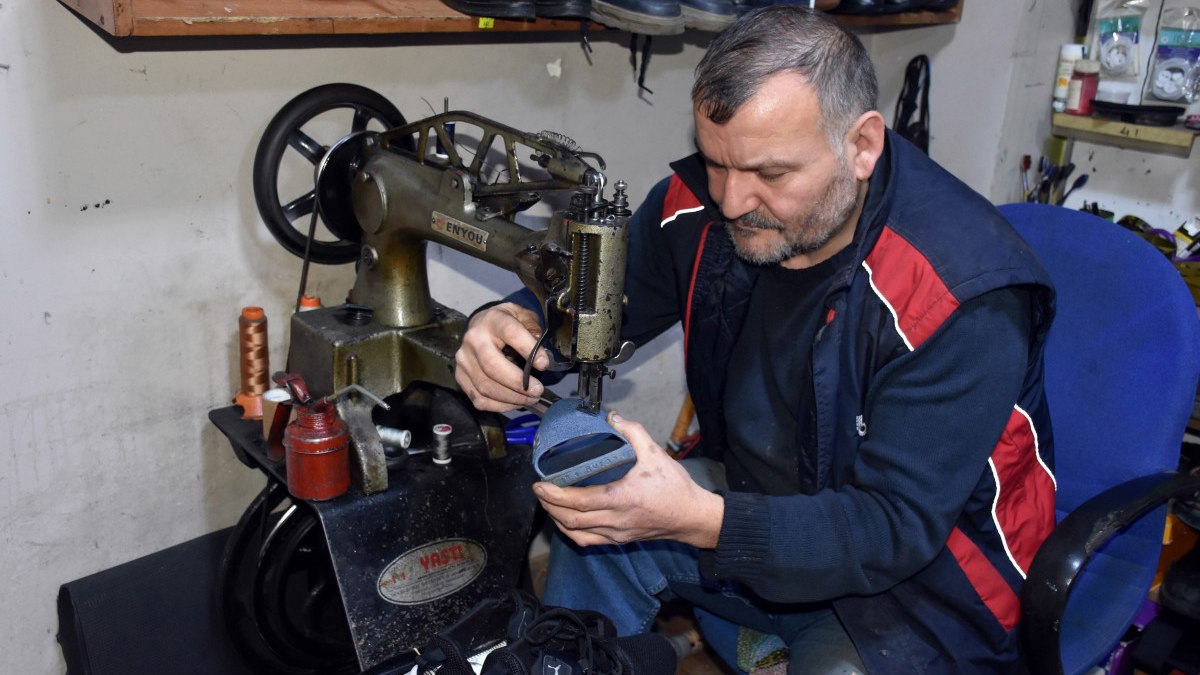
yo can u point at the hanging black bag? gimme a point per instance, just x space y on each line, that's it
916 86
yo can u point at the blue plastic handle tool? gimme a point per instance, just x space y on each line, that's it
521 430
573 447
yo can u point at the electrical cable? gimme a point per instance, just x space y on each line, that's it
312 232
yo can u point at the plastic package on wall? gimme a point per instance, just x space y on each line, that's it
1118 29
1175 68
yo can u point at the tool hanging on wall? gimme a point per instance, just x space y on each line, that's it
916 86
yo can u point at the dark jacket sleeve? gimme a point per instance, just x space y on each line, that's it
651 280
932 418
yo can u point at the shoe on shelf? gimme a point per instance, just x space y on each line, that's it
878 6
643 17
563 9
708 15
496 9
821 5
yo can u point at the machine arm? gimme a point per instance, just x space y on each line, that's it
440 191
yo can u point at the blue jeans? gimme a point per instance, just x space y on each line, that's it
628 584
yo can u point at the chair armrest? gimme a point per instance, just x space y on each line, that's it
1067 550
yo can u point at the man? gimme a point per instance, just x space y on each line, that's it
863 338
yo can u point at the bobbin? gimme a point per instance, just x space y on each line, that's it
253 362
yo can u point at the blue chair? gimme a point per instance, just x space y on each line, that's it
1122 361
1122 365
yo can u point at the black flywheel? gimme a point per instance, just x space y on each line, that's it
285 187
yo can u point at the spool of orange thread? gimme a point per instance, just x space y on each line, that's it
253 361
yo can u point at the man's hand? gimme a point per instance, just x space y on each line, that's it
657 499
486 375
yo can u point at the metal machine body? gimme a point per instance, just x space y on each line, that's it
401 199
417 541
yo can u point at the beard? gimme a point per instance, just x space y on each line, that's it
802 233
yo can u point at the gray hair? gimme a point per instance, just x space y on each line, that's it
788 37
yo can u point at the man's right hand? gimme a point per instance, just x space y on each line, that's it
486 375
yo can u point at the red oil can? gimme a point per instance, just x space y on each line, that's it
316 444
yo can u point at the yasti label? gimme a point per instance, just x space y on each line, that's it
432 571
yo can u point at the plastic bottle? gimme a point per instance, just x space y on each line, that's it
1083 85
1068 55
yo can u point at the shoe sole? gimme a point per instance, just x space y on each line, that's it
635 22
705 21
495 10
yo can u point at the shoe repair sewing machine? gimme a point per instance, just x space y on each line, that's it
321 577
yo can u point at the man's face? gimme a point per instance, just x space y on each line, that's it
789 197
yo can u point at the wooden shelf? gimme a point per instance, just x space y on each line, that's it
172 18
1175 140
176 18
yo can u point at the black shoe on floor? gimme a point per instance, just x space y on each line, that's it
565 642
491 624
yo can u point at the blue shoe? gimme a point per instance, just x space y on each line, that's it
573 447
708 15
643 17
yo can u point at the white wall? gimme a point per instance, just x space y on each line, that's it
1162 190
130 241
992 77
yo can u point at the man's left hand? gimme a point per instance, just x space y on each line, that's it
657 499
